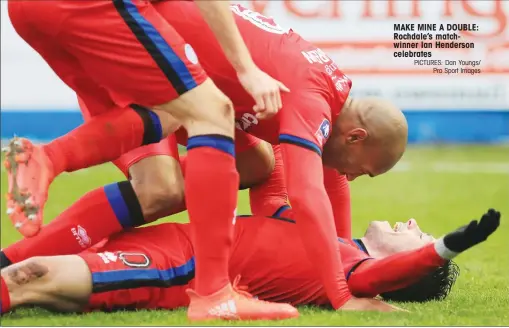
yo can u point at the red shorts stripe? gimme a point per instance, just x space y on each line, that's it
163 54
138 272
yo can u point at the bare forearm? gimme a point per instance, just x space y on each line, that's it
220 19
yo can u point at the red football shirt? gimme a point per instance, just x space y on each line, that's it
272 261
318 88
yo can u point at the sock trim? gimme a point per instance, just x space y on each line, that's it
152 130
156 123
133 204
216 141
125 204
443 251
4 260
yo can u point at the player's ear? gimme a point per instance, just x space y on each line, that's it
356 135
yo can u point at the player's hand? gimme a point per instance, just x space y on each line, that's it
368 304
473 233
265 90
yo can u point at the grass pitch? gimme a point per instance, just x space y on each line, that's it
442 187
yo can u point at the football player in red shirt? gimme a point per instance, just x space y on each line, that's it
151 267
128 63
356 136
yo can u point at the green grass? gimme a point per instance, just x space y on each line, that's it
441 197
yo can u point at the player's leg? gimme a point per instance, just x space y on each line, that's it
162 72
59 283
155 187
255 159
267 198
155 190
32 168
156 178
206 114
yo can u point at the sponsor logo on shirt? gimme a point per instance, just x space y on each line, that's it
133 260
108 257
323 132
317 56
246 121
342 83
81 236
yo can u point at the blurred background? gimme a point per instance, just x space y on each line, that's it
457 164
359 37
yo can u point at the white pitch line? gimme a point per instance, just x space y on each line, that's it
454 167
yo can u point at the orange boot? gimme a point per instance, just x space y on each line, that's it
30 173
232 304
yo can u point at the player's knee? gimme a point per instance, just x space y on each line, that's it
215 115
158 197
202 110
227 111
255 165
220 120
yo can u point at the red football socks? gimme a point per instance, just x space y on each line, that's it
394 272
5 301
104 138
96 215
268 197
183 164
211 185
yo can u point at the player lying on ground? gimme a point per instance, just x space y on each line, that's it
356 137
151 267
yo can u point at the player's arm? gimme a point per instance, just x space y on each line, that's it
219 17
312 209
264 89
59 283
403 269
304 178
338 191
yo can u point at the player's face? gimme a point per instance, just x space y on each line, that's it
386 239
353 161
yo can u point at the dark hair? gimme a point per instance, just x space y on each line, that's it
433 287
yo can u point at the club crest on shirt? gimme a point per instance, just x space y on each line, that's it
323 132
